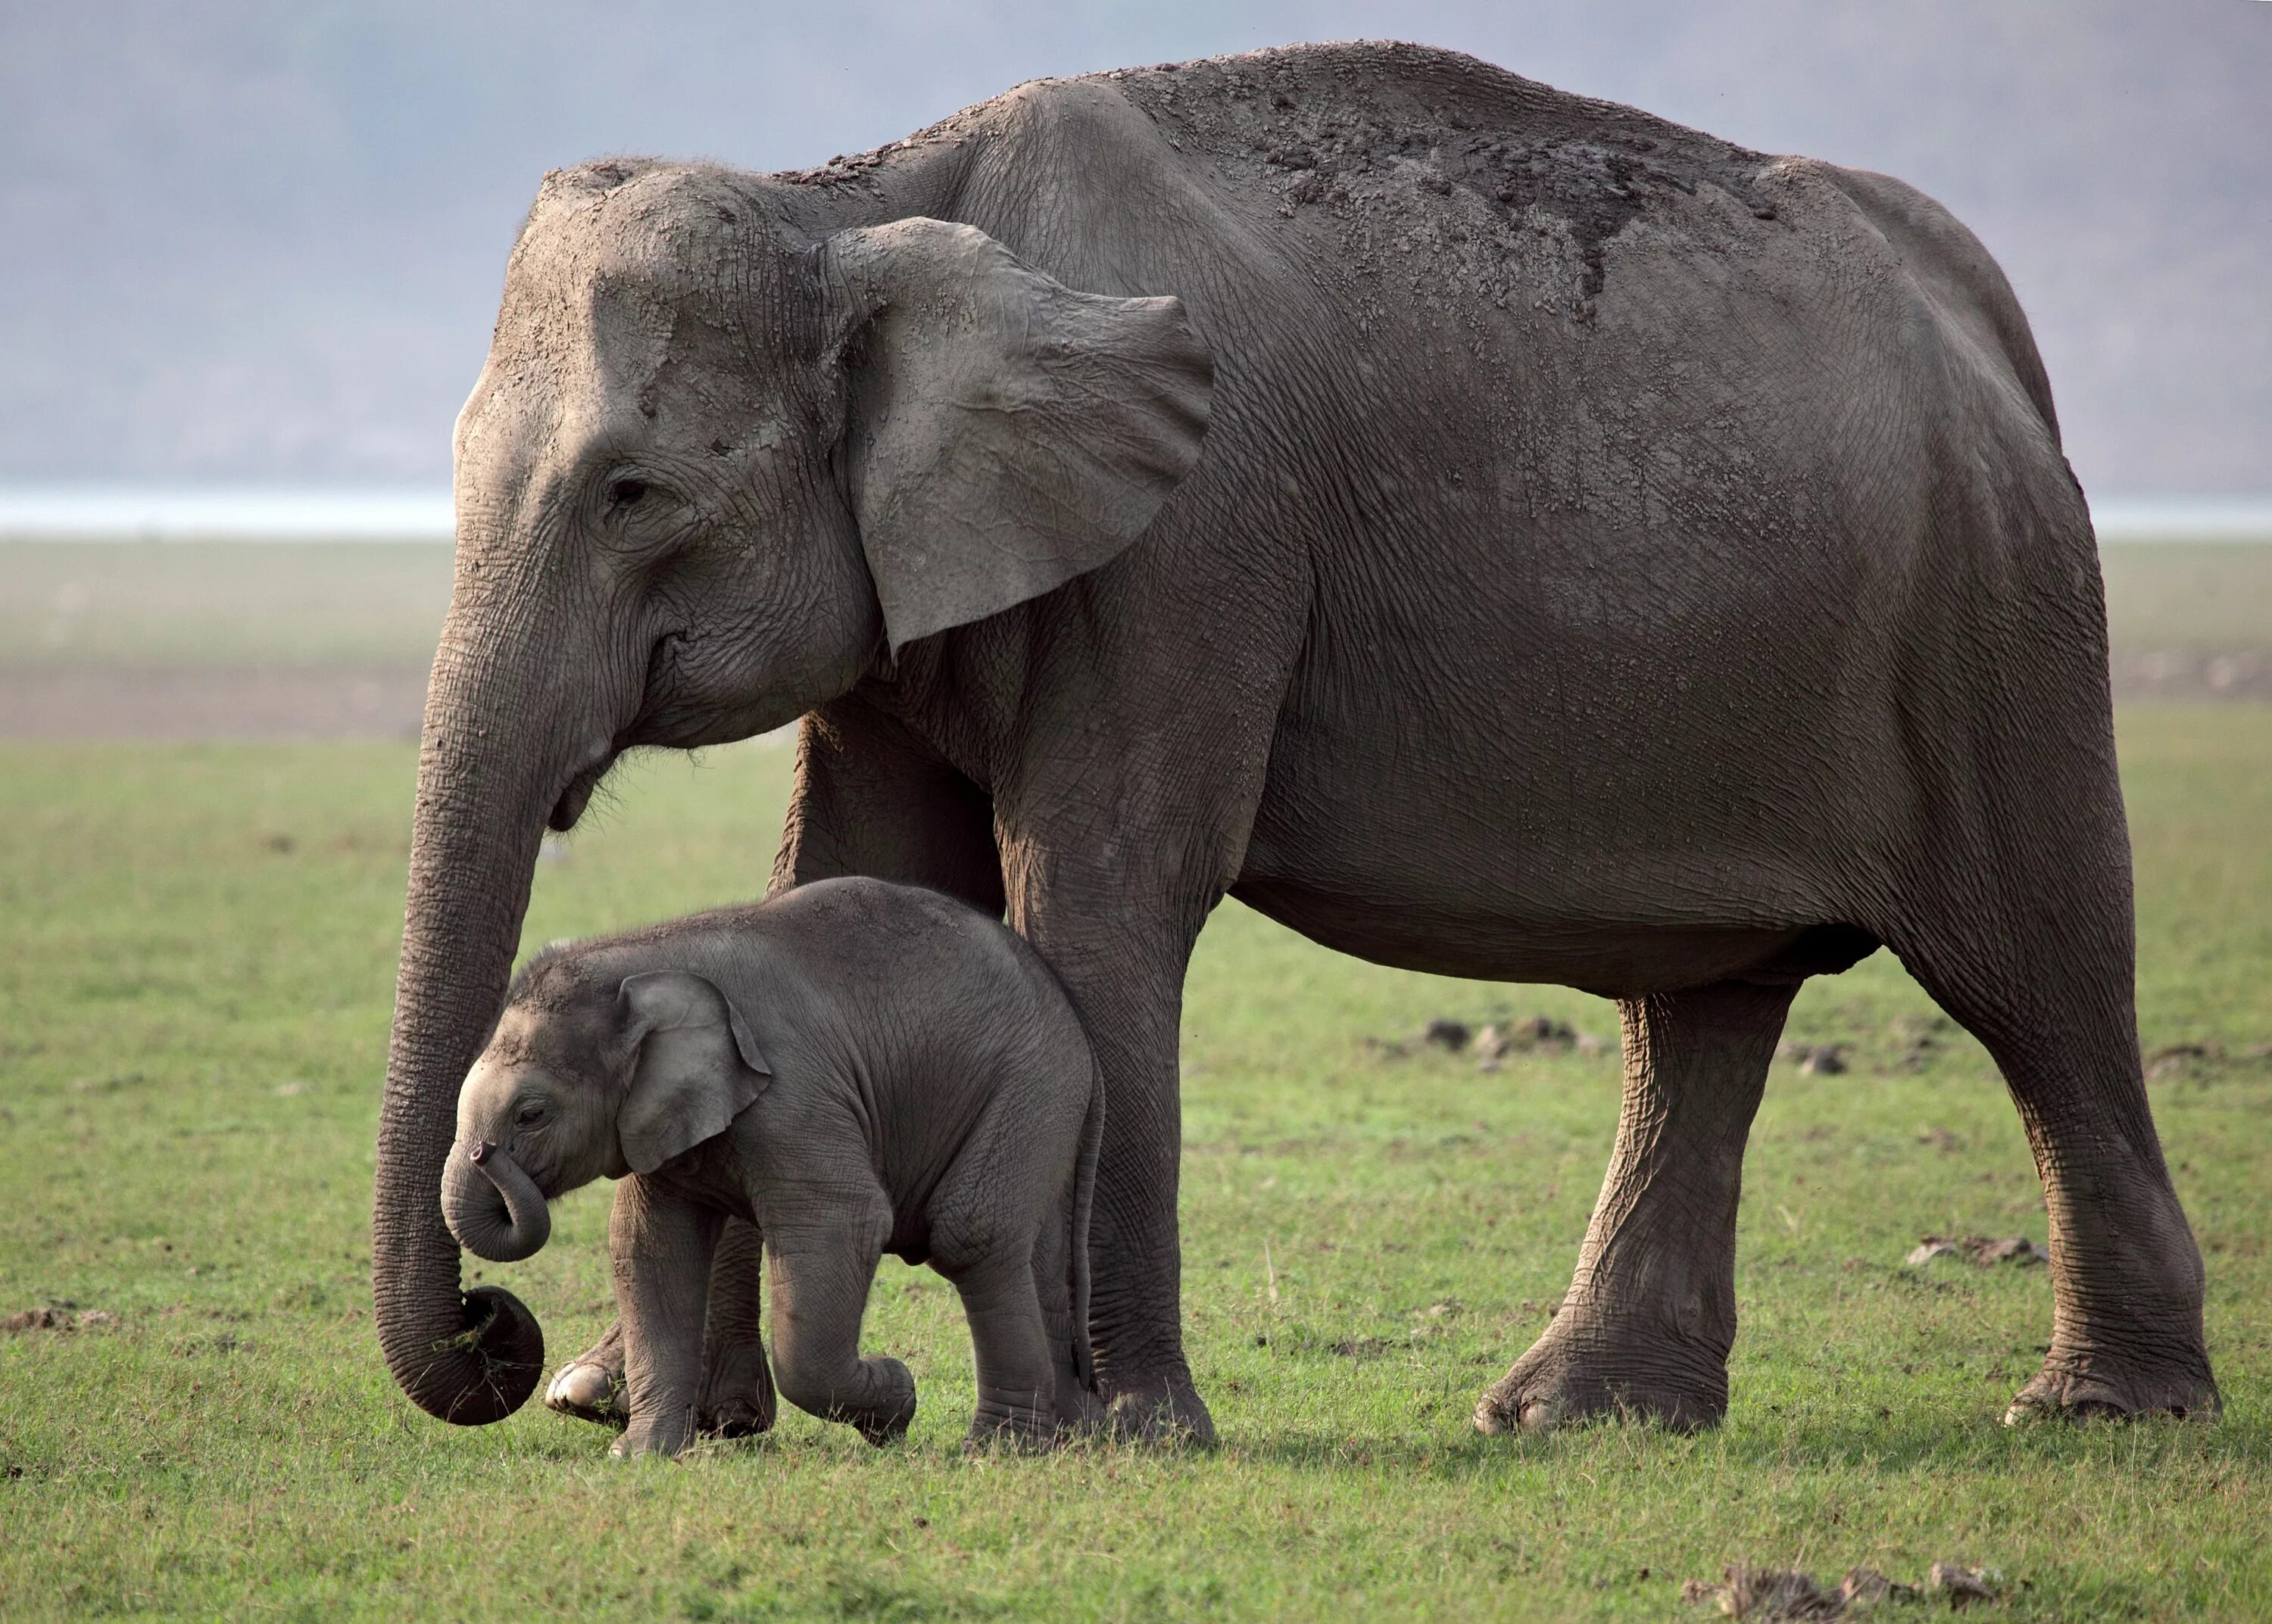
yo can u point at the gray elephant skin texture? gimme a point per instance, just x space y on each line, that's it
1491 532
852 1068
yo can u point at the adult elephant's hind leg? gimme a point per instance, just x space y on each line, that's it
738 1386
2053 1005
1651 1315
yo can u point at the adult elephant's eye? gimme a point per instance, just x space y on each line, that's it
624 493
531 1113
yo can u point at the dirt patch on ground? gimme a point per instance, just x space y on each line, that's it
2192 673
285 702
224 703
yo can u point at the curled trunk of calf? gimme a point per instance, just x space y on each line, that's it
493 1208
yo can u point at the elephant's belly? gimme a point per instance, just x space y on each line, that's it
1612 959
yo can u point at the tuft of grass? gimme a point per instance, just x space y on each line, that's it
194 993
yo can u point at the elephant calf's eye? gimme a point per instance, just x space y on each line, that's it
624 493
531 1113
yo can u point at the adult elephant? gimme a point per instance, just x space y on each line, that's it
1491 532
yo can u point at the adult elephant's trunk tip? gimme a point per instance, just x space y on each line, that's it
487 1370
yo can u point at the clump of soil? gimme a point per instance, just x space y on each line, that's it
1815 1059
1448 1035
1784 1593
2199 1062
1499 1038
2017 1250
65 1318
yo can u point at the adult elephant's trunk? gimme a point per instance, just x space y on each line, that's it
505 733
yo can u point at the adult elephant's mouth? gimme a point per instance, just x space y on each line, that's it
578 795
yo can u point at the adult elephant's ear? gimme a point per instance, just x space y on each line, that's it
1005 432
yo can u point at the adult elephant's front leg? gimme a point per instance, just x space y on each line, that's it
1122 956
1650 1317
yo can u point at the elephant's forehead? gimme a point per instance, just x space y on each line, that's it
568 356
560 1037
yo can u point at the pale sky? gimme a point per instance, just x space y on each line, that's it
261 242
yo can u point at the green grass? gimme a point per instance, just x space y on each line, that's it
194 990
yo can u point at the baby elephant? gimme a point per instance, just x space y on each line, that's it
857 1069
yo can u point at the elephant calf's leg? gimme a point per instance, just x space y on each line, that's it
662 1250
1651 1315
1017 1373
820 1291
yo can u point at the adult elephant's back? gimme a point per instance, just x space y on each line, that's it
1649 496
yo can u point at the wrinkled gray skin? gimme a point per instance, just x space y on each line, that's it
852 1068
1573 549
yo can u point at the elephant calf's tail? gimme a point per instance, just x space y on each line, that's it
1084 1199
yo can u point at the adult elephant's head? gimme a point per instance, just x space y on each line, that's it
712 469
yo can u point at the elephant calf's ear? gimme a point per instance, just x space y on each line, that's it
698 1068
1005 432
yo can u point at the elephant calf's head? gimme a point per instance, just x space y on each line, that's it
588 1076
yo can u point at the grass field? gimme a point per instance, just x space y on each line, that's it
194 987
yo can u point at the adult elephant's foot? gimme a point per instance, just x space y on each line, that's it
1016 1432
737 1394
591 1387
2081 1387
737 1391
663 1436
1163 1408
1577 1370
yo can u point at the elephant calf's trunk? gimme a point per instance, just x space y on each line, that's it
494 1209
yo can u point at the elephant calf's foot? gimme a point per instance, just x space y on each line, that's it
1162 1410
2082 1387
883 1417
591 1386
1571 1376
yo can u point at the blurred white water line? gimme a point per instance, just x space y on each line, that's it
129 513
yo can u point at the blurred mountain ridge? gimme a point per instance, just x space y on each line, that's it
249 241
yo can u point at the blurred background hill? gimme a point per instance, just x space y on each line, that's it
251 243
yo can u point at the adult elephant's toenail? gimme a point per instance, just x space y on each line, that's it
580 1387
